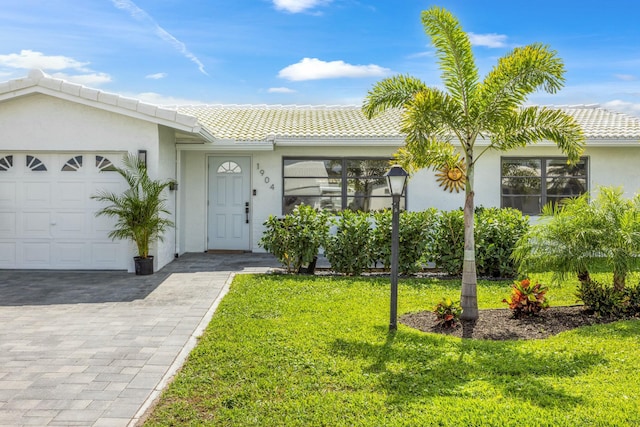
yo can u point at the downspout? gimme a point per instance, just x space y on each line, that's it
177 203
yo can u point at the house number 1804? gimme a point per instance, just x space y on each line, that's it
267 180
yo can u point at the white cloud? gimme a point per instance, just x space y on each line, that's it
425 54
623 107
144 17
28 59
297 6
92 79
626 77
156 76
488 40
315 69
158 99
280 90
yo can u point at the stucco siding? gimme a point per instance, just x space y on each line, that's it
166 170
44 123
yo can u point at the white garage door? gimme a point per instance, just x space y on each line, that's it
47 218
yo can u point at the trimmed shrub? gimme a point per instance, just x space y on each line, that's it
601 299
607 301
348 250
497 231
295 238
414 235
447 249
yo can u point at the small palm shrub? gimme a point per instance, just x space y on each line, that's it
448 313
580 234
527 299
140 211
295 238
348 250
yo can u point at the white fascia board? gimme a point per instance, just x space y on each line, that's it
339 141
620 142
228 145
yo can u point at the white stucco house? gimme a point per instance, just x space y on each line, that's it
235 165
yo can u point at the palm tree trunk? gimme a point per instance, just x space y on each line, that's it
619 280
584 276
469 296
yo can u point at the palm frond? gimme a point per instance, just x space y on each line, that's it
139 210
517 75
453 49
430 153
535 124
393 92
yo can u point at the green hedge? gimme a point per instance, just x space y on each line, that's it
363 240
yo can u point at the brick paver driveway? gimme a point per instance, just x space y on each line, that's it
95 348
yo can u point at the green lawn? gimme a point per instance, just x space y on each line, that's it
315 351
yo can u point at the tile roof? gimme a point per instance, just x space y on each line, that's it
267 122
600 123
259 123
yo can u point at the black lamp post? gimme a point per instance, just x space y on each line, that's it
397 181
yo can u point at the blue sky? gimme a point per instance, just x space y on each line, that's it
308 51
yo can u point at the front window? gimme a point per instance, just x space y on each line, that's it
530 183
336 183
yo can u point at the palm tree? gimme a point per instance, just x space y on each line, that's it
140 210
469 108
579 234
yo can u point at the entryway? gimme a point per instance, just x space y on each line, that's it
229 203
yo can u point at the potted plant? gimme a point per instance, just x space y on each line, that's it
138 210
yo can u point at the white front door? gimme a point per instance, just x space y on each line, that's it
229 203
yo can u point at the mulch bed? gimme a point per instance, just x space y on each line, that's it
499 324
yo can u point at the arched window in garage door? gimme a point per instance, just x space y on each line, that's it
6 163
35 164
73 164
104 164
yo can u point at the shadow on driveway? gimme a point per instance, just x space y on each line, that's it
46 287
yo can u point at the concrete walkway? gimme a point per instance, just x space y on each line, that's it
96 348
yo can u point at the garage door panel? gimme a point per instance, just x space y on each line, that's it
36 254
36 194
36 224
70 225
71 195
7 254
106 254
71 255
8 192
8 224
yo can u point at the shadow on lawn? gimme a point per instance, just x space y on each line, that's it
413 367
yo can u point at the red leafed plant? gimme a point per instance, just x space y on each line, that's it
448 313
527 299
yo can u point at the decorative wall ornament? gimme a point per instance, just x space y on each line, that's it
452 177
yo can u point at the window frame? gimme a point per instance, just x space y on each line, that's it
544 164
344 178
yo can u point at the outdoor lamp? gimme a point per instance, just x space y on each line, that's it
142 156
397 180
